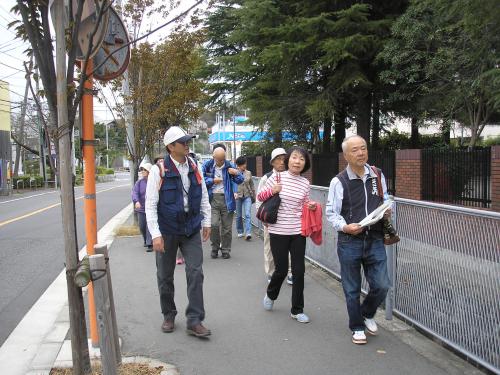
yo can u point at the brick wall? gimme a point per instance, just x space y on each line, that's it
495 178
258 163
408 174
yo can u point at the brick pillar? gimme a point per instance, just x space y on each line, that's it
258 166
409 174
495 178
342 162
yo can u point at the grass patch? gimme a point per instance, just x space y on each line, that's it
123 369
128 230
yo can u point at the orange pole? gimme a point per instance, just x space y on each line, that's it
89 201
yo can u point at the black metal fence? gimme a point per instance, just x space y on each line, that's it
252 165
457 176
324 168
386 161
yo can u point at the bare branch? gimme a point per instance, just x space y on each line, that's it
26 147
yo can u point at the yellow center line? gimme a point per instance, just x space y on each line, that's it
48 208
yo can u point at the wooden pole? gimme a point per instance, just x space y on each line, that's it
105 324
89 204
78 328
103 250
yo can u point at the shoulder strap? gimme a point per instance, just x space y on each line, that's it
268 174
379 181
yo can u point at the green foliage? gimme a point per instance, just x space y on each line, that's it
444 61
35 180
103 170
491 141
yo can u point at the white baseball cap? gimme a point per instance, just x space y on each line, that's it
174 134
277 152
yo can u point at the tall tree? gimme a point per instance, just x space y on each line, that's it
445 53
165 87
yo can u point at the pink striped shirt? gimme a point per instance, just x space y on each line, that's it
294 193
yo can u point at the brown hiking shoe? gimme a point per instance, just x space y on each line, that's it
198 330
168 326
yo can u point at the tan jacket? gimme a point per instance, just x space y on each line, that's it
246 189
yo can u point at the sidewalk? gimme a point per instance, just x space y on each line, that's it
245 338
248 340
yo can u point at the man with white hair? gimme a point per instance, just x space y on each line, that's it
177 208
220 175
353 194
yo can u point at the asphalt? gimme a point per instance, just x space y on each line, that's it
245 338
248 340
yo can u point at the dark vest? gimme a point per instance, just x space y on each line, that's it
172 219
359 200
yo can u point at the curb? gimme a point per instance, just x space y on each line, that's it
33 346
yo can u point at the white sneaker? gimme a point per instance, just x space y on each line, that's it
371 326
289 280
359 337
240 235
268 303
301 318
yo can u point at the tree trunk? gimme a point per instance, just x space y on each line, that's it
375 121
78 329
414 133
339 118
445 130
363 117
327 134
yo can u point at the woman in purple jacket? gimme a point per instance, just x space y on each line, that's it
139 199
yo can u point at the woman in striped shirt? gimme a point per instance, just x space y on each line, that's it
286 235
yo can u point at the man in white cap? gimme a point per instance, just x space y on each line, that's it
278 164
177 208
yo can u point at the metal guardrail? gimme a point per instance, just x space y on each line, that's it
445 273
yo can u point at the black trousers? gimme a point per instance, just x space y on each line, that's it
281 245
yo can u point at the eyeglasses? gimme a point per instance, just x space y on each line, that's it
182 143
141 169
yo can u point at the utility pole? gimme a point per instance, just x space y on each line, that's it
41 139
23 117
78 329
234 130
127 112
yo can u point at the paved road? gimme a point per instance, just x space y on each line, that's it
31 243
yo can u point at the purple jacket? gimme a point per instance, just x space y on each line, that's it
139 194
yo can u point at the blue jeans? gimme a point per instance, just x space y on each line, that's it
243 205
370 253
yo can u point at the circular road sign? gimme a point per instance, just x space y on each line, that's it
88 24
113 59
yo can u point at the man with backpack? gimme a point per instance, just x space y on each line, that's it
353 194
220 177
177 209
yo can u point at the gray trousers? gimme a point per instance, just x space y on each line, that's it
191 250
222 224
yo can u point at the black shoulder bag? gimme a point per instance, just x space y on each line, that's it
268 210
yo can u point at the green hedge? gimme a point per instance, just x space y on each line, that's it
104 170
38 181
